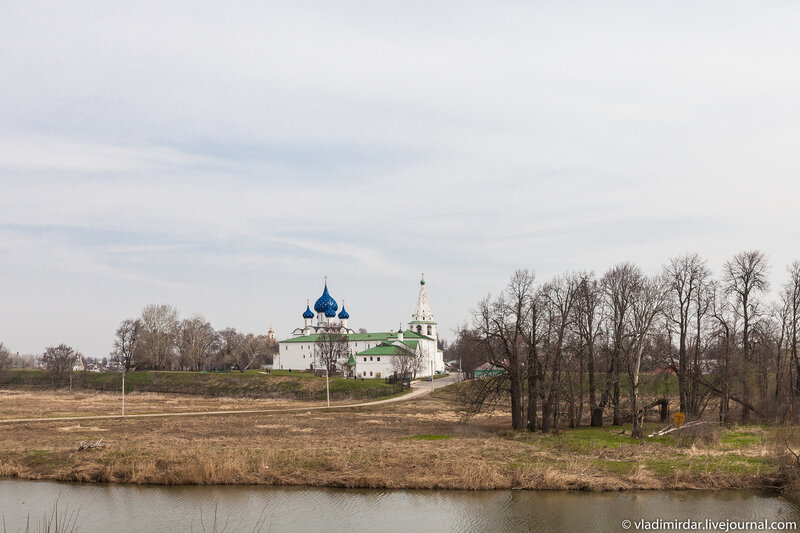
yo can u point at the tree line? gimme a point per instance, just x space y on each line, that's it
583 347
159 340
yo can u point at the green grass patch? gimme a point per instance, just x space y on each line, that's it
700 464
738 438
252 383
294 374
592 438
361 385
430 437
46 460
582 440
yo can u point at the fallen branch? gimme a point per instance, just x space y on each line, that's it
670 429
84 445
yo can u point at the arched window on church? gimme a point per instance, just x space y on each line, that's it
419 329
430 330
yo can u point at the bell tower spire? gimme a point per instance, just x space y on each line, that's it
422 321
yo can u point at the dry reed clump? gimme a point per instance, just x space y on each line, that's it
8 469
784 445
705 434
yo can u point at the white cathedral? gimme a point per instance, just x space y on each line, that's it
372 355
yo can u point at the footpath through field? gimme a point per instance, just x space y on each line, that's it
418 388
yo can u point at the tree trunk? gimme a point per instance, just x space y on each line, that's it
636 433
516 401
533 392
682 381
597 417
593 407
745 360
546 417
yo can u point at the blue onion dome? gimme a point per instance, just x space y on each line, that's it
325 301
307 313
344 314
330 313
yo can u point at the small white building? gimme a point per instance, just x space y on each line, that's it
374 353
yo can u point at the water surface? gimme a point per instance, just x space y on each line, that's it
191 508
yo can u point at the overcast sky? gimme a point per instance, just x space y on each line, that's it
223 157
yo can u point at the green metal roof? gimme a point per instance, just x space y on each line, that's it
378 336
386 348
422 322
351 361
353 337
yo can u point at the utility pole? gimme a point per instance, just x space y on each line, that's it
123 390
433 381
327 386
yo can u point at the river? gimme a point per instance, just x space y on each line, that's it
120 508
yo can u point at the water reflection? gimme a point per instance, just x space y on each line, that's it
191 508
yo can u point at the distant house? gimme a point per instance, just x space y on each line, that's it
489 369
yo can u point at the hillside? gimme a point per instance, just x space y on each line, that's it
252 384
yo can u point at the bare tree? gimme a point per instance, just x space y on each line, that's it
619 286
5 357
331 351
23 360
560 297
407 365
791 300
227 349
501 326
196 343
685 275
467 350
127 340
59 361
252 351
724 342
588 322
157 341
703 300
536 328
649 296
744 277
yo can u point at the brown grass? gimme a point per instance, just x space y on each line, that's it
21 404
415 444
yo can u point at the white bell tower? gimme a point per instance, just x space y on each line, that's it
422 321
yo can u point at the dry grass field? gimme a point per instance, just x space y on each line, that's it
420 443
21 404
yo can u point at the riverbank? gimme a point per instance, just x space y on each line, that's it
418 444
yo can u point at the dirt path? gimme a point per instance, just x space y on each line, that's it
419 388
